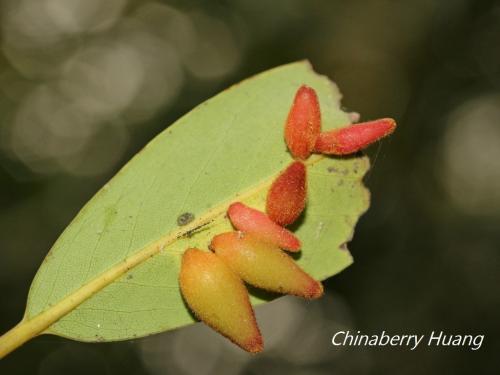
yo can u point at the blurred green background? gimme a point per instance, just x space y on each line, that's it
85 84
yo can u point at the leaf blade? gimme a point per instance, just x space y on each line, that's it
139 207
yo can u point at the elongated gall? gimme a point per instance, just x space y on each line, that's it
303 123
264 265
286 198
250 220
353 138
218 297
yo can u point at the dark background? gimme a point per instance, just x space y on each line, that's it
85 84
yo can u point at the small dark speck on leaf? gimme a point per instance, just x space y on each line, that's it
185 218
130 277
344 171
343 246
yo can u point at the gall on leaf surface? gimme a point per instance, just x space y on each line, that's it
287 195
353 138
120 257
303 123
217 295
250 220
264 265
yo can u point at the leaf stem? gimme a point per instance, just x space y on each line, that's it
28 329
24 331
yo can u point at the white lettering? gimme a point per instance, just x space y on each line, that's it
417 341
346 338
394 340
478 344
384 339
433 337
334 336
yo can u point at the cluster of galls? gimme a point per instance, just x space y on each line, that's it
212 283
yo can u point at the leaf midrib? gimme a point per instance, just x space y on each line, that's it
45 319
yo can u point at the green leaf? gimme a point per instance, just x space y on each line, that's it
112 274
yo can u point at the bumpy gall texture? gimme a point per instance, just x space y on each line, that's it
353 138
219 298
252 221
263 265
303 123
286 198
